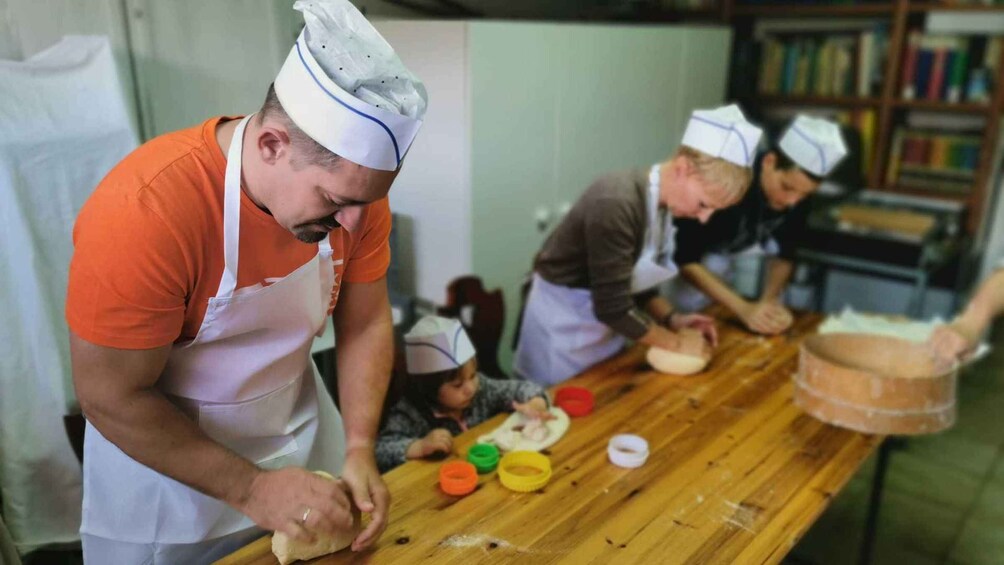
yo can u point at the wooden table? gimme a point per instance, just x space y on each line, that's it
736 474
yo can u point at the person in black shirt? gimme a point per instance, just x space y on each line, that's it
770 218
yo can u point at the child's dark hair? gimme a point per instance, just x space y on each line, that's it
423 390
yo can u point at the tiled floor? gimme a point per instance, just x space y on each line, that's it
944 496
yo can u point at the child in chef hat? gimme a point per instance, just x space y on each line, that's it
445 395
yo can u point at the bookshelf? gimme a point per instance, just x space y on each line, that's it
885 94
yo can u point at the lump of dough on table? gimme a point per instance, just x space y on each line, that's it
288 550
673 363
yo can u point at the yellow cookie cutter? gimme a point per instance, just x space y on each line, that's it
513 471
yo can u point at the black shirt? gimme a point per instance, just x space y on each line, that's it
738 227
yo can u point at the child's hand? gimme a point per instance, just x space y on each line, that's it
437 441
534 409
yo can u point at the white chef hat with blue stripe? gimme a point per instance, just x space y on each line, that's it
814 144
724 133
436 344
345 87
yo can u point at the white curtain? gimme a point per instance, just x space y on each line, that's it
63 126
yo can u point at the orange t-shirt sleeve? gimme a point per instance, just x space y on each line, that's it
371 252
128 281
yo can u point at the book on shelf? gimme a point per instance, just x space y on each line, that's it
949 68
948 4
823 64
937 161
864 122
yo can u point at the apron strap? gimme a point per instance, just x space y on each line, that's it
232 212
324 245
656 221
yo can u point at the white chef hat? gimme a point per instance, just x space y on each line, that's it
344 86
814 144
436 344
723 132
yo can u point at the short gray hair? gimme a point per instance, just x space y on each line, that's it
308 151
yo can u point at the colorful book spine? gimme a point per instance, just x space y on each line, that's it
936 79
922 74
933 161
910 65
957 82
866 44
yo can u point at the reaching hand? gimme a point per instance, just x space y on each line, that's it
766 317
369 493
704 324
534 409
952 342
299 503
438 440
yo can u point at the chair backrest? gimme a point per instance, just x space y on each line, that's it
482 314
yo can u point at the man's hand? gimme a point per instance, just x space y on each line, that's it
703 324
369 493
278 501
534 409
766 317
439 440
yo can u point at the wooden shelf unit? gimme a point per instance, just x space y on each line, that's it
961 198
803 10
888 105
840 101
944 107
921 7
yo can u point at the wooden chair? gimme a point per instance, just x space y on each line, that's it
482 314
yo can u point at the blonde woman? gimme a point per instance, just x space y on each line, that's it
596 279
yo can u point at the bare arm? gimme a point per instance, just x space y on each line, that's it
659 308
662 312
706 281
778 274
118 395
365 334
962 336
987 303
766 316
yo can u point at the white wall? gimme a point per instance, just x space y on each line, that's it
29 26
196 59
436 199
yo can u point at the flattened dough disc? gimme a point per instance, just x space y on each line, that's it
506 438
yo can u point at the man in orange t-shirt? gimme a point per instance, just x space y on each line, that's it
204 265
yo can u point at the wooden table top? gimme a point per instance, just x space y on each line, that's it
736 474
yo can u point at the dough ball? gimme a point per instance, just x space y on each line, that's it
287 550
673 363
